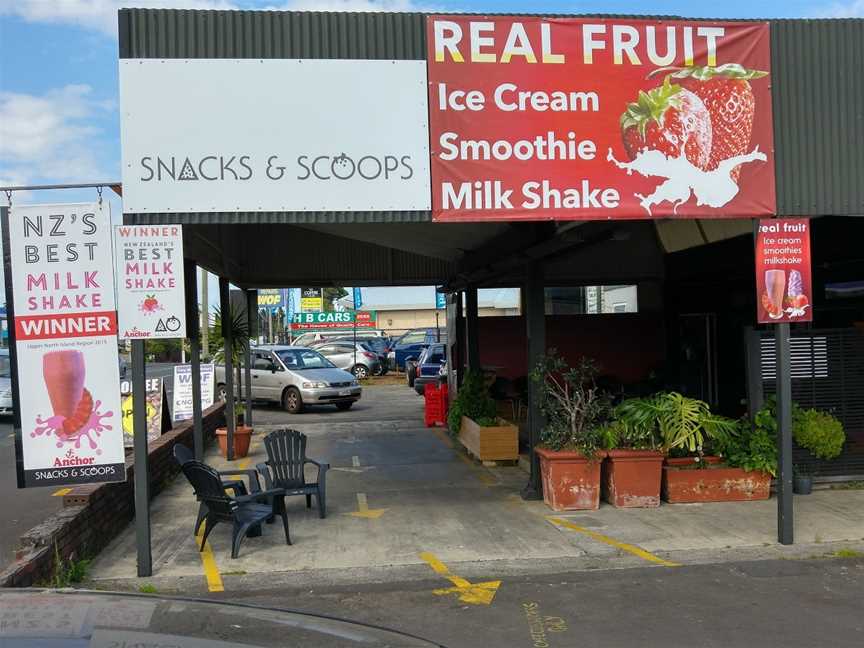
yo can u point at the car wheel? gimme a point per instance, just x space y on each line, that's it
380 370
292 402
361 372
410 372
343 407
221 394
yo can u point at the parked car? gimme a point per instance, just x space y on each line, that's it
380 346
429 366
410 344
312 338
296 377
5 383
352 357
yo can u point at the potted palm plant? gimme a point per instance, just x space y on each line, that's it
687 428
569 451
235 320
473 417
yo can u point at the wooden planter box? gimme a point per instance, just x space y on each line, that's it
632 478
716 483
498 443
571 482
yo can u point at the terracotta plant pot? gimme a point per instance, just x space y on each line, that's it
717 483
571 482
632 478
242 437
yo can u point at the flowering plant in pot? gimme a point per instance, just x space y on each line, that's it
570 441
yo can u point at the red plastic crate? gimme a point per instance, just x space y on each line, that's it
436 404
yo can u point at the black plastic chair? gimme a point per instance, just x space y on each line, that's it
245 512
183 455
284 468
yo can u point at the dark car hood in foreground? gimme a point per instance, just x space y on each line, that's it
52 618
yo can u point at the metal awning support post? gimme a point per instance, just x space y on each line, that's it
535 324
471 328
252 325
142 462
458 358
785 521
193 332
228 351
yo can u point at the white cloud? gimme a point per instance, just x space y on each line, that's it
848 9
51 138
101 15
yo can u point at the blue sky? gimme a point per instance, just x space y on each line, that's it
59 119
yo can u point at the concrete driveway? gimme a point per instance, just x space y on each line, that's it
404 503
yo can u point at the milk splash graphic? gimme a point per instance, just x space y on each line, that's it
76 416
712 188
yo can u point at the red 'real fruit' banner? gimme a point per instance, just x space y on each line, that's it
784 288
581 118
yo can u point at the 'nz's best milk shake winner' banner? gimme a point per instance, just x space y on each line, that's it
66 344
587 118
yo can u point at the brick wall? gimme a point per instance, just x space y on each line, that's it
94 514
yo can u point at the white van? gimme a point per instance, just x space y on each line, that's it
314 337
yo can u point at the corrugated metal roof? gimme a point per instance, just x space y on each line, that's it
818 90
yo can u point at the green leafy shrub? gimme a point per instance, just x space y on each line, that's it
750 448
575 408
472 400
672 421
819 432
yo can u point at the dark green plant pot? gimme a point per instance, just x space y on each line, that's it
802 485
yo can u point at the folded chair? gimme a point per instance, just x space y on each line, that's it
182 454
244 512
284 468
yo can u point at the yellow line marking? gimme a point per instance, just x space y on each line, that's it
475 593
61 492
211 571
355 461
363 510
612 542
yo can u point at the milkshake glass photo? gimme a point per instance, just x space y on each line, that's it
775 285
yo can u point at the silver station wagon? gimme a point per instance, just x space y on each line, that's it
296 377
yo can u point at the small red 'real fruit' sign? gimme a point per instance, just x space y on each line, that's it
784 288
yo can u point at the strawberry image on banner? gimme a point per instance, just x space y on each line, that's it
587 118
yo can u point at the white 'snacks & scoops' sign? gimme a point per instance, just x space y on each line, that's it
150 289
66 344
274 135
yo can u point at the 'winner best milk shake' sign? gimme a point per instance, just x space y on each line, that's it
66 344
150 295
784 289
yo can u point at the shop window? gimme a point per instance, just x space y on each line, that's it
591 300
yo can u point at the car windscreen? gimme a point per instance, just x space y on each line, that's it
300 359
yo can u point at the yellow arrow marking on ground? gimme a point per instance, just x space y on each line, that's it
612 542
61 492
363 510
475 593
